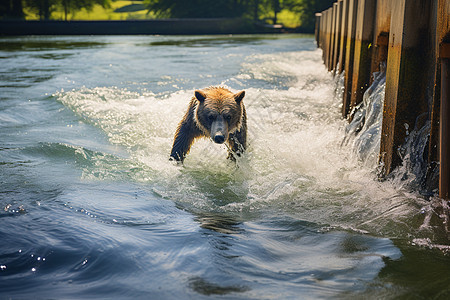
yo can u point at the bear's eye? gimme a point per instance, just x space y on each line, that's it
211 117
227 117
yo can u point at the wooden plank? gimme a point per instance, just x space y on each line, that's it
407 76
443 40
442 35
317 28
329 30
381 34
332 37
329 14
322 31
349 55
343 39
337 37
444 50
363 50
444 146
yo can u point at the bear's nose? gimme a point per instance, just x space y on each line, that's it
219 138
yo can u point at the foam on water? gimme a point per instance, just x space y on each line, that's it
87 184
294 161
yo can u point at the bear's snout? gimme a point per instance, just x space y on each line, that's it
219 132
219 138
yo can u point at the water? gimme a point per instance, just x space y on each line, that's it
93 208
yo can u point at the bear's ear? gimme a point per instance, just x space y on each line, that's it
201 96
239 96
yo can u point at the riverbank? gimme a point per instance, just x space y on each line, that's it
136 27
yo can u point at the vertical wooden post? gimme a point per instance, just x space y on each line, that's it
332 37
349 55
444 130
328 37
363 50
381 34
337 37
408 34
442 35
317 29
407 76
343 39
440 122
322 31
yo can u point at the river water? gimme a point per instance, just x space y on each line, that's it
91 207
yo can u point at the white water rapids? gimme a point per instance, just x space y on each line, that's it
93 208
295 159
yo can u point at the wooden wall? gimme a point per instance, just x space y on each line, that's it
412 37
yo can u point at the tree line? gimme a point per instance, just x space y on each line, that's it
14 9
253 9
250 9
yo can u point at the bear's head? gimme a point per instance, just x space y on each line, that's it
219 112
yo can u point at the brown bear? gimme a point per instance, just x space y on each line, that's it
215 113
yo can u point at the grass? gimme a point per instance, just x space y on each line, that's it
285 17
289 19
99 13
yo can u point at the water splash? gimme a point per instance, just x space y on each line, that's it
295 216
363 136
294 161
364 131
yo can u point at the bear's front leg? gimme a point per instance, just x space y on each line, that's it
184 137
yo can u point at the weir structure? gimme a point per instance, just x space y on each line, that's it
412 37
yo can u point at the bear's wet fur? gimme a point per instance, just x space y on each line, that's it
216 113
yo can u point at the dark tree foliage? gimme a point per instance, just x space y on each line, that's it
197 8
70 6
11 9
309 8
250 9
216 9
238 8
44 8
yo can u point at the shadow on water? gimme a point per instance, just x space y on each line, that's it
204 287
219 223
25 80
223 232
30 61
418 274
37 44
230 41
